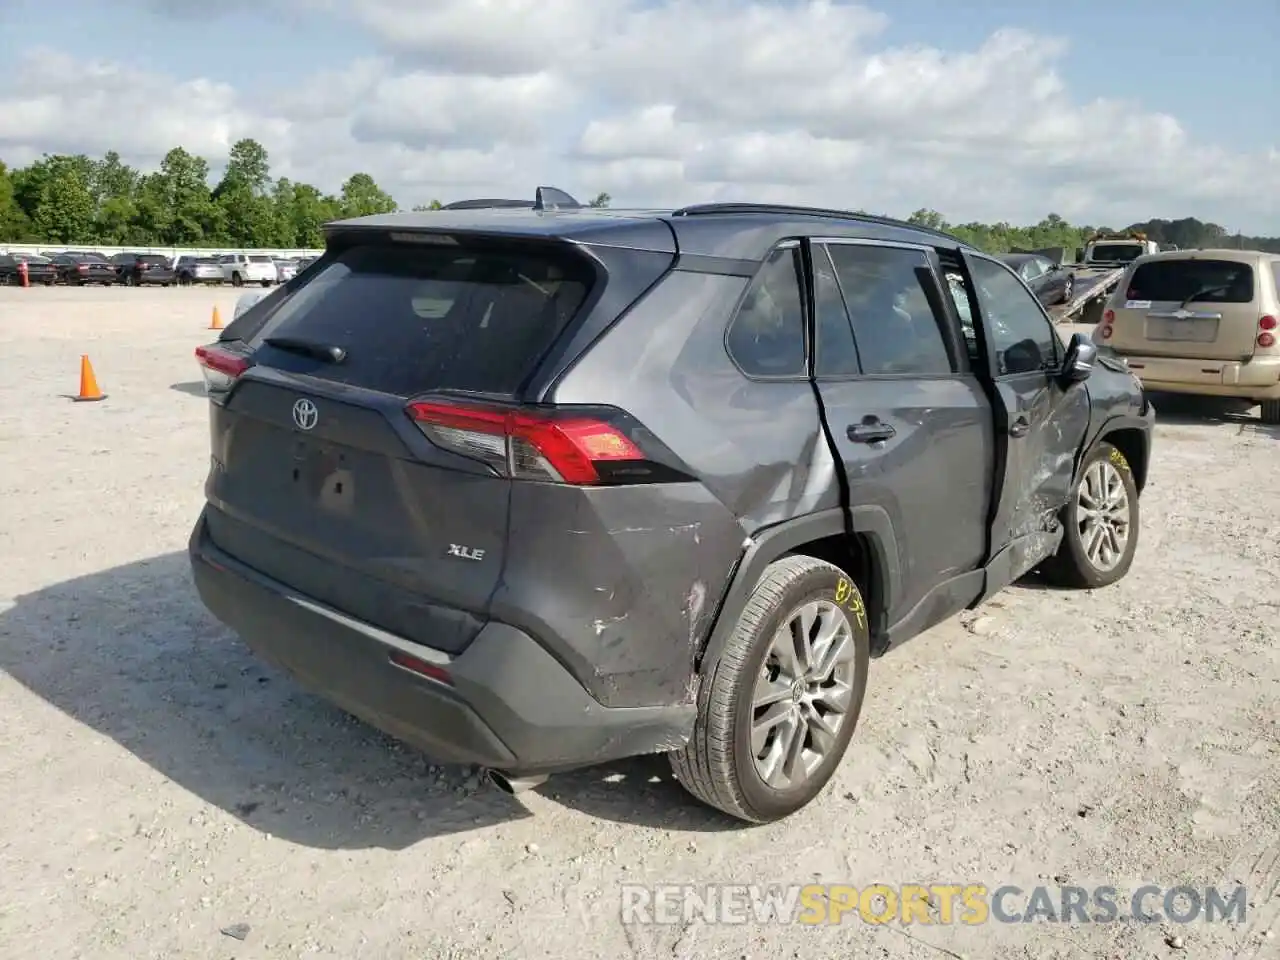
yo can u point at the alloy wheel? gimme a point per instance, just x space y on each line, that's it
803 694
1103 515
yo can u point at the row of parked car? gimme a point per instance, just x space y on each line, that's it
84 267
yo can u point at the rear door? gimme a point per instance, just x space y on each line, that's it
322 480
909 422
1040 424
1194 307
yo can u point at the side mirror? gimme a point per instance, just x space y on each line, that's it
1078 363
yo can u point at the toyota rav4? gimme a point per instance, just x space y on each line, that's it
536 486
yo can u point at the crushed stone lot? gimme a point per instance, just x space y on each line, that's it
166 794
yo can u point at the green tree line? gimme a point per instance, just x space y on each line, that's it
1053 231
61 199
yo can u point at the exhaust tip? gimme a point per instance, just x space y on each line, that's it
514 785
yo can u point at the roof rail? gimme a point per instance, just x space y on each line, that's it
702 209
546 198
486 204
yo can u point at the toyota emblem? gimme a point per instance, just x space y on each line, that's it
305 414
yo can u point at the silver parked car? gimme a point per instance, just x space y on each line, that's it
192 270
286 270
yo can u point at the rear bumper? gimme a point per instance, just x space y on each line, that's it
1257 379
511 706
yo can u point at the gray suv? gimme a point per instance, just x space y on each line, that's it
535 486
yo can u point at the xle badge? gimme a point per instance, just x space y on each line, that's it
465 553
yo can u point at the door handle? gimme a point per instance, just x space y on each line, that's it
1020 427
870 430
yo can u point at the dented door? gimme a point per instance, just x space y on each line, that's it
1040 422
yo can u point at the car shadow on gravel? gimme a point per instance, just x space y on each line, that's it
1180 410
193 388
132 654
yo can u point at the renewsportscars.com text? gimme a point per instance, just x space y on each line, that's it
967 904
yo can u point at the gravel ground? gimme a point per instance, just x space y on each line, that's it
161 786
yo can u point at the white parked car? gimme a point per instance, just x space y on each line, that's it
242 268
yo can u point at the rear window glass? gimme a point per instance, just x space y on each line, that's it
1207 281
414 318
1117 252
260 260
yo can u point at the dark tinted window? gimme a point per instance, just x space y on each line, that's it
836 355
1117 252
1275 270
1209 281
894 325
766 337
1020 334
7 261
414 318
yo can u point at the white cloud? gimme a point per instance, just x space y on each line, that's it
669 101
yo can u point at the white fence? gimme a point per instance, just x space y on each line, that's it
51 248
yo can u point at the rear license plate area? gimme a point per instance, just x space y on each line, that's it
1190 330
324 475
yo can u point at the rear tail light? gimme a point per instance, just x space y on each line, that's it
1265 337
524 445
221 368
82 268
1108 318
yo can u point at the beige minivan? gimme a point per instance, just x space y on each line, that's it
1201 322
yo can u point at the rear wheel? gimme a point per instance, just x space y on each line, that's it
777 710
1101 522
1270 411
237 280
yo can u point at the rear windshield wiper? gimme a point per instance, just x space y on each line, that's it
1220 288
308 348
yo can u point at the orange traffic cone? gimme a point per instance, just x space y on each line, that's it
216 322
89 389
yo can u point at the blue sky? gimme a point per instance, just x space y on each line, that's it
1162 58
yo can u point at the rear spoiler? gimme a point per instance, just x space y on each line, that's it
545 198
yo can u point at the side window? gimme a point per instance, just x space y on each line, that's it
960 298
835 353
1021 335
894 325
766 337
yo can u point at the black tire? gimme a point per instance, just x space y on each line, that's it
717 765
1269 410
237 280
1071 566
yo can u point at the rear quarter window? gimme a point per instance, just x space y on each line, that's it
415 318
1205 281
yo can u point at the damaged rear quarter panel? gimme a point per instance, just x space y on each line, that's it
760 456
618 583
